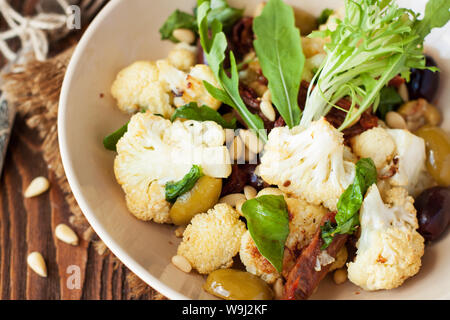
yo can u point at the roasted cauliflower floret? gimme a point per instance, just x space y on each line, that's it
138 86
154 151
254 261
155 86
376 144
308 163
212 239
410 157
389 248
304 219
183 56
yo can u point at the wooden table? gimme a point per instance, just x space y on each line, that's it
28 225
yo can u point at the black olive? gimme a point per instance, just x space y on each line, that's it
424 83
433 212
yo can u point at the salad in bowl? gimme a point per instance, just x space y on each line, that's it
285 147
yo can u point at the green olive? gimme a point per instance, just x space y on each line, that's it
231 284
437 143
203 196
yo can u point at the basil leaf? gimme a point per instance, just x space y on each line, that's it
176 189
268 223
204 113
110 141
214 44
324 15
178 19
220 11
278 48
347 218
389 100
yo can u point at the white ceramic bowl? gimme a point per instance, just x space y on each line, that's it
126 31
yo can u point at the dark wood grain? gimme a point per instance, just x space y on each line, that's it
28 225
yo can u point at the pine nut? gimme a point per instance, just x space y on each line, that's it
38 186
184 35
395 120
259 8
278 289
66 234
239 207
403 92
267 110
340 276
250 192
179 232
37 263
236 148
181 263
233 199
251 141
270 191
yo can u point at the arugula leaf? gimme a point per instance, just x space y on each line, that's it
375 41
176 189
177 20
204 113
268 223
437 14
324 15
347 218
110 141
220 10
389 101
278 48
214 47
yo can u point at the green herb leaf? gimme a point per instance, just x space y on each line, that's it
178 19
214 47
110 141
220 11
204 113
324 15
375 41
268 223
278 47
390 100
347 218
176 189
437 14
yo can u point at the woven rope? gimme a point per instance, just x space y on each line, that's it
31 30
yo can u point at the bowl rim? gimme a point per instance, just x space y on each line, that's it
115 248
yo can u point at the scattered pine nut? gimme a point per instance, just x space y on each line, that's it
267 110
250 192
37 263
259 8
64 233
184 35
270 191
278 289
395 120
233 199
181 263
179 232
340 276
403 92
236 148
38 186
239 207
251 141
